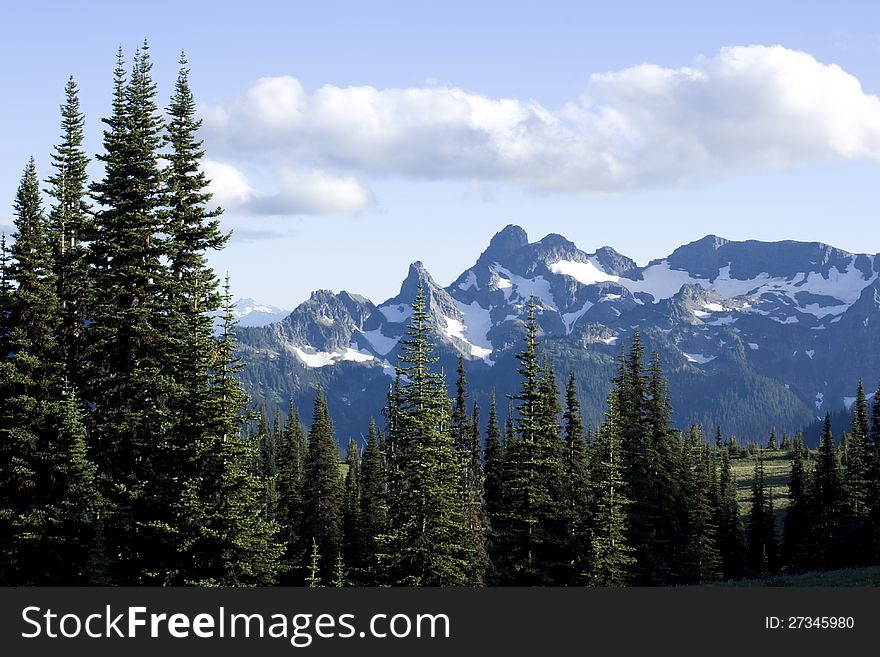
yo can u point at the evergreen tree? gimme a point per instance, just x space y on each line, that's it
531 535
268 461
663 508
467 442
719 440
826 499
856 484
7 295
314 578
476 519
772 441
460 427
339 573
701 559
292 450
130 347
193 228
237 544
188 298
796 531
630 386
72 550
69 222
30 386
373 513
426 543
611 554
322 488
872 458
730 531
576 494
762 528
786 442
351 507
493 464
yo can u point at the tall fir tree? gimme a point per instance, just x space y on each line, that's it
351 509
425 544
493 472
826 502
373 512
474 496
762 524
69 223
492 463
576 496
872 458
663 508
130 347
466 439
238 543
267 467
322 488
30 385
796 548
856 484
292 450
531 537
730 529
701 558
460 426
73 550
630 386
612 557
7 295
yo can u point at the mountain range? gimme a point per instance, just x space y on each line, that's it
751 335
248 312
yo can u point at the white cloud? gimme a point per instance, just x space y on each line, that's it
228 185
314 192
745 107
309 192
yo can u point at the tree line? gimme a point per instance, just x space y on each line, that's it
128 456
121 454
440 497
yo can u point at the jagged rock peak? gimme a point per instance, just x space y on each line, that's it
614 262
508 239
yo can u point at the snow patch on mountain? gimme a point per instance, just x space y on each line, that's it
472 329
380 342
569 319
538 287
660 281
396 314
588 273
700 359
317 359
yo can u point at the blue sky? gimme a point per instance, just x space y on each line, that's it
347 139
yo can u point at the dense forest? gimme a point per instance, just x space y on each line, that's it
128 455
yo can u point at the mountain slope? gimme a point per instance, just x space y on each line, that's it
751 334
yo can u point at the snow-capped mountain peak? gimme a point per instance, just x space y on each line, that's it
777 323
249 312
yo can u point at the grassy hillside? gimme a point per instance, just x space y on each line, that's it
777 469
